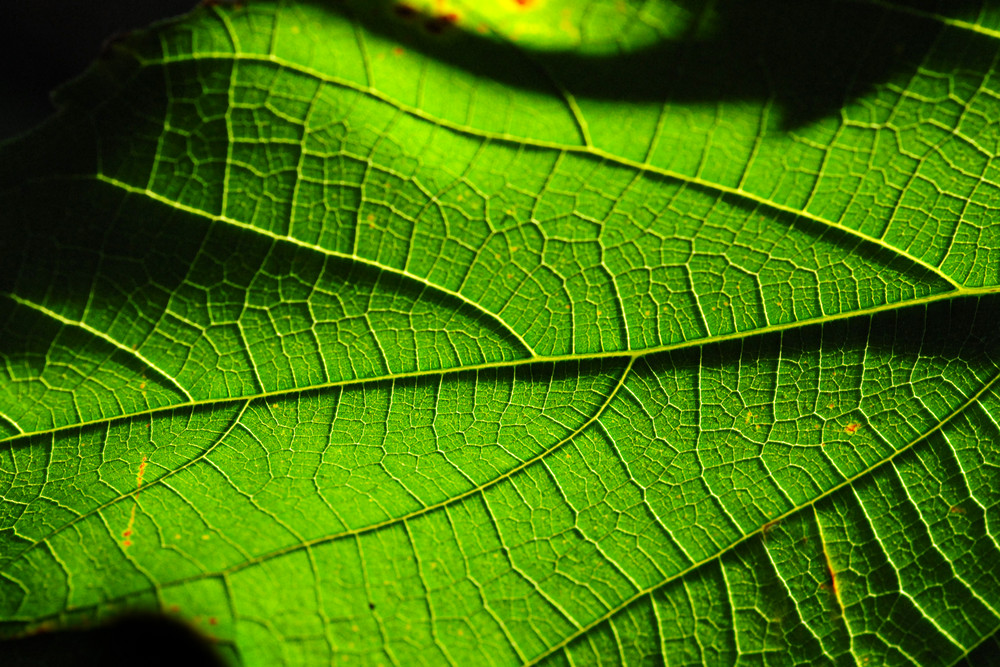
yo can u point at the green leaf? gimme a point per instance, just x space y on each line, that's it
514 332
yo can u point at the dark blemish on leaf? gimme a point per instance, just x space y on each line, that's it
404 11
371 605
439 24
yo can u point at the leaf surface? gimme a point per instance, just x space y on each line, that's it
515 333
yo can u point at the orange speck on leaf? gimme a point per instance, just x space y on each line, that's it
831 584
398 51
213 621
127 533
42 628
142 471
852 428
956 509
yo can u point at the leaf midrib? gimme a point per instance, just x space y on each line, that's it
582 629
499 365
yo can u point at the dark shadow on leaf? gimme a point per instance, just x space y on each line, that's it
811 58
138 639
984 655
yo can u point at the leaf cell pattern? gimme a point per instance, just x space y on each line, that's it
346 351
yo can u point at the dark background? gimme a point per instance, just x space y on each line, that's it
46 42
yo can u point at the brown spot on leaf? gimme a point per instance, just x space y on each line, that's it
439 24
404 11
768 527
